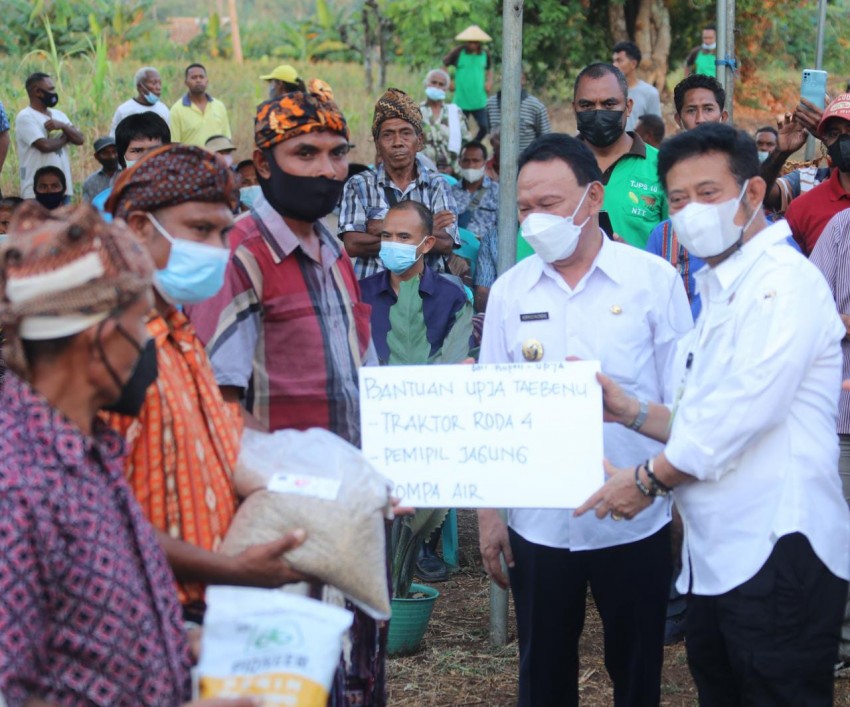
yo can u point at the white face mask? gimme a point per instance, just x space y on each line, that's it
707 230
709 47
472 175
763 155
553 237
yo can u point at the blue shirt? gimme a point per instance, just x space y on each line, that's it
663 242
442 299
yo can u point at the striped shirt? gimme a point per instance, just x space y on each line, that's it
290 331
369 195
832 257
533 117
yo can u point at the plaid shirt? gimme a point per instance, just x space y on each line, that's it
365 198
290 331
478 211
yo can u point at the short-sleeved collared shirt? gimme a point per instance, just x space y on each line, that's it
442 299
809 213
755 425
634 197
533 117
288 330
444 133
628 312
96 183
4 120
88 611
191 127
369 195
184 443
478 211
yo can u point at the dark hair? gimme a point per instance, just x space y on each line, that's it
291 87
768 129
35 78
46 349
654 125
475 144
245 163
738 147
193 66
558 146
599 69
630 49
698 81
710 26
10 203
49 169
140 125
424 213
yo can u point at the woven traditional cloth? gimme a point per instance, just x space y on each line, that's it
168 176
297 113
61 271
395 103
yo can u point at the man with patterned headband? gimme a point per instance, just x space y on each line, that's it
88 614
184 439
288 331
397 129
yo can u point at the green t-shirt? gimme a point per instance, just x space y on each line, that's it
634 198
470 77
704 63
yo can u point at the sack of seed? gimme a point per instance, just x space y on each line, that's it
316 481
262 642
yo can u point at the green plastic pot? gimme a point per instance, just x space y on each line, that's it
410 620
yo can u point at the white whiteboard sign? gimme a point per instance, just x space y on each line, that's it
519 435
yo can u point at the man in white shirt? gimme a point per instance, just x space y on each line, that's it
42 134
750 445
583 295
148 98
645 99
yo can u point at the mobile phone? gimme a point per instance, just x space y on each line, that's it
813 87
605 224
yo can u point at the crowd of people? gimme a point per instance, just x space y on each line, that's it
189 297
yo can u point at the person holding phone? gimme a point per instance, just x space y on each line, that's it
809 214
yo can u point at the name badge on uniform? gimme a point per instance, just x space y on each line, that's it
534 317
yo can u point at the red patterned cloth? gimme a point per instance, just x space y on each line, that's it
88 612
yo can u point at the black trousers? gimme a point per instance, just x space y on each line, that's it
629 583
772 640
482 120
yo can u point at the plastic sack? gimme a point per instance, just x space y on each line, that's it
261 642
316 481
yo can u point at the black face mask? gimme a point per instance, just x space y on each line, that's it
601 127
301 198
143 375
839 153
110 165
50 201
49 99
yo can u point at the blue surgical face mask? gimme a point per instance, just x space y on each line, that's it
247 195
399 257
435 94
151 98
195 271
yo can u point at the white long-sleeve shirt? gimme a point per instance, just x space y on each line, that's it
756 422
628 312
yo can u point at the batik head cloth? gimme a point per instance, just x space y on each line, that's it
294 114
395 103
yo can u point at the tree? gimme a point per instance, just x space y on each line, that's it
647 24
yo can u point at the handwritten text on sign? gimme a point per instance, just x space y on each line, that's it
521 435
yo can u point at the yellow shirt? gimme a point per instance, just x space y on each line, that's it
191 127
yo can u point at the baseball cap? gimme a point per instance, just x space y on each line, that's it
838 108
284 72
102 142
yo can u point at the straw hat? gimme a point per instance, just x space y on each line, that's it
474 33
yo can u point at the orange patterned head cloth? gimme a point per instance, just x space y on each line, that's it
297 113
395 103
171 175
64 271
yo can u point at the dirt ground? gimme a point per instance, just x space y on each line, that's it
457 666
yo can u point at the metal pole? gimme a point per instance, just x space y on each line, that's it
511 72
720 52
730 54
810 141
